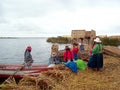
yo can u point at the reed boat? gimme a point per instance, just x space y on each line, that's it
18 71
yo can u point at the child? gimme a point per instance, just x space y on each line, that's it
75 51
54 59
67 55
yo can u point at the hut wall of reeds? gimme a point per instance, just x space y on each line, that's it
82 36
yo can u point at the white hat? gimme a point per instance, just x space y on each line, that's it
97 40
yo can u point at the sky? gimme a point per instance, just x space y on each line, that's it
43 18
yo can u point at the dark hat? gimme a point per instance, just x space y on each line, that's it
67 48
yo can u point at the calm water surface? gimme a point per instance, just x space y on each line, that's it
12 50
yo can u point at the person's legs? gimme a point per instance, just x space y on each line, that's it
90 62
75 56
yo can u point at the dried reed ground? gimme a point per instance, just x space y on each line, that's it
106 79
61 78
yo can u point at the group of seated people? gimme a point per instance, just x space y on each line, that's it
71 60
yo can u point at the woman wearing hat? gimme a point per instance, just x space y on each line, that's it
28 57
96 61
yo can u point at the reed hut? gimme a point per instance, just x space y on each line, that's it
82 36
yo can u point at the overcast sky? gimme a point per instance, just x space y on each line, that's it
58 17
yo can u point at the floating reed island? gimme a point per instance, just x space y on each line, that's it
62 78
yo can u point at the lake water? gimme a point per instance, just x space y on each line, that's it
12 50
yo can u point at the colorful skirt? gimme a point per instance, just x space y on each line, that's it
96 61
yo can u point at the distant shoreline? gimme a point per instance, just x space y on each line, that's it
22 37
10 37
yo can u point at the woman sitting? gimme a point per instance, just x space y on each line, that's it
68 54
54 59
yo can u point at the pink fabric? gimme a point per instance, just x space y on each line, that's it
91 50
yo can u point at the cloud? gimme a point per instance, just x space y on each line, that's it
2 19
34 17
30 8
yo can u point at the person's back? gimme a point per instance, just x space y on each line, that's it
97 48
28 57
